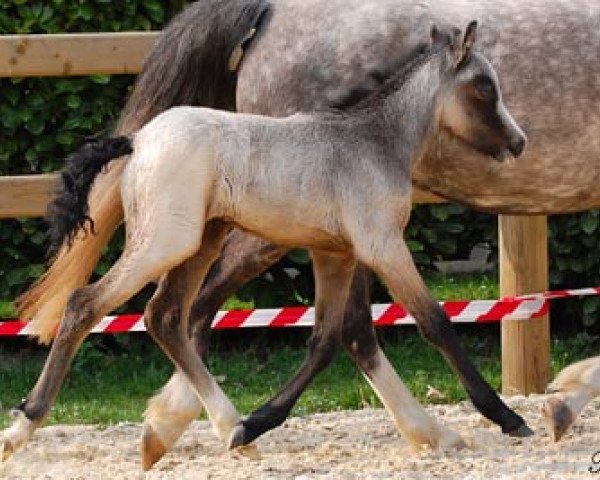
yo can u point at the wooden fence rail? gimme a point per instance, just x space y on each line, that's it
523 240
73 54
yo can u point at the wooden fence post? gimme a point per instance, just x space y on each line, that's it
523 245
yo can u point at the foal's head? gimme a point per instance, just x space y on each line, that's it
471 105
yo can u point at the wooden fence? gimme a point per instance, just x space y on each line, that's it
523 240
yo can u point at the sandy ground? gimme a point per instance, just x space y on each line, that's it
344 445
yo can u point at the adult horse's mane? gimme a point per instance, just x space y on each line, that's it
366 97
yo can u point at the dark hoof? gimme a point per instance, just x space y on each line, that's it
522 431
237 438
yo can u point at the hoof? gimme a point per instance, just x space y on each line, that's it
16 436
6 450
558 417
152 448
241 445
452 441
249 451
522 431
237 437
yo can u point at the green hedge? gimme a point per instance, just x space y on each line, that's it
44 119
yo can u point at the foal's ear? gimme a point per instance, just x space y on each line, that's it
437 36
467 43
443 37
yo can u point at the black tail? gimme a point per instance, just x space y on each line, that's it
68 211
189 63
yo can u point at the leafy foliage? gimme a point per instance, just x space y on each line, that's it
575 263
42 120
447 231
574 260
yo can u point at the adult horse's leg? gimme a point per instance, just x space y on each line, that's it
171 410
138 265
392 260
333 275
358 336
575 386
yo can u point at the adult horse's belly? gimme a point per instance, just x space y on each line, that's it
311 53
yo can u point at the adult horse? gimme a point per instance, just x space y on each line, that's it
311 54
193 173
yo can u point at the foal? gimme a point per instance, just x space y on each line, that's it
335 183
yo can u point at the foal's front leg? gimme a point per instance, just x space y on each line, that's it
389 256
358 336
333 274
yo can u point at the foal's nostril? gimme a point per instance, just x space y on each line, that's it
517 145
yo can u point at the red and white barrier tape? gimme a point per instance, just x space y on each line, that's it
511 308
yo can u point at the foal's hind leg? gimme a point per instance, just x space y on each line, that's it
167 322
171 410
333 275
390 257
138 265
358 336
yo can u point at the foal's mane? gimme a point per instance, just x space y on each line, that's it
359 99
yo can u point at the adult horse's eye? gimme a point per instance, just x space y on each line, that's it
485 91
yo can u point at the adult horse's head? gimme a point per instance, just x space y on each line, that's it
471 107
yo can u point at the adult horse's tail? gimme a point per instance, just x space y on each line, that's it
190 64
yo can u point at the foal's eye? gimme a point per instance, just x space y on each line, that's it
485 90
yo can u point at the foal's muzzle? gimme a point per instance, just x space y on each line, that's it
517 145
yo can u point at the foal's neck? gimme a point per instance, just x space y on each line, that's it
410 114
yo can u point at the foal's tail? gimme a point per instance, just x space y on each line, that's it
68 211
188 65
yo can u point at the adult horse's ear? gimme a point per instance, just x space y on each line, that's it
468 42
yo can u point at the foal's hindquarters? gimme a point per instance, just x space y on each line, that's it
168 237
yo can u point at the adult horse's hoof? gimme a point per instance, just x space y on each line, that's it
558 416
522 431
152 448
